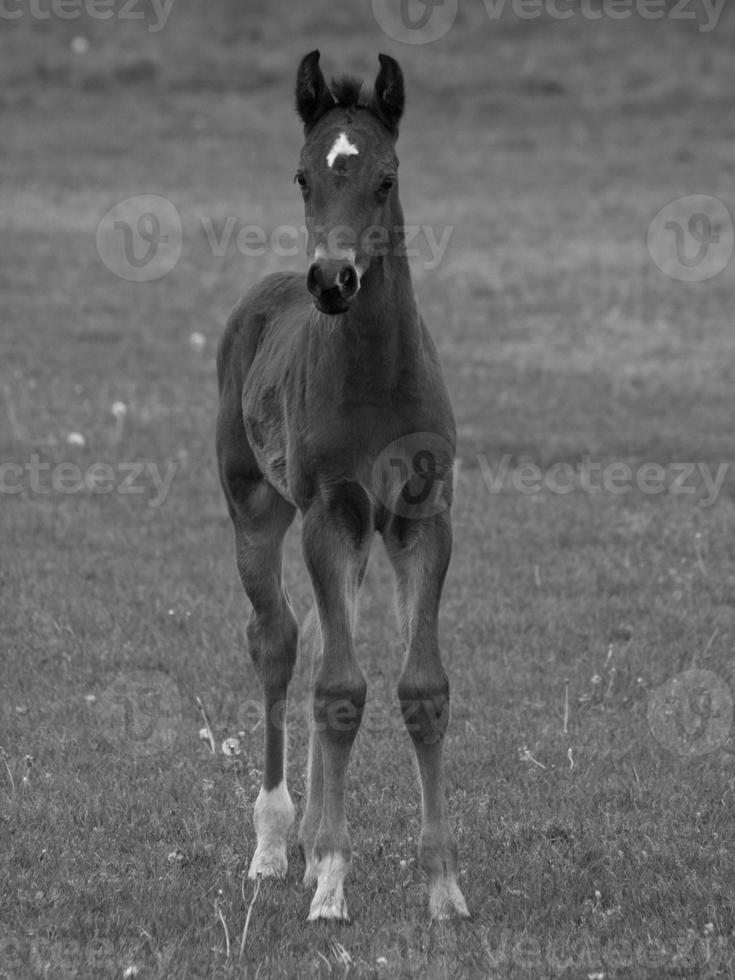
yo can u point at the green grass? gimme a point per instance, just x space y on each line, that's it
548 147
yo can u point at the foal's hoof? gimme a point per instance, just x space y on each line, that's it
446 900
273 816
268 862
328 906
329 900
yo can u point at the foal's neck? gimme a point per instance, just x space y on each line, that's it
379 333
379 336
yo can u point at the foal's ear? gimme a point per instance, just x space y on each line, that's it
389 94
313 98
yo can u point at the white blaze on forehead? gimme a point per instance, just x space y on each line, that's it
342 147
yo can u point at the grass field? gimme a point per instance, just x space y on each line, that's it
589 636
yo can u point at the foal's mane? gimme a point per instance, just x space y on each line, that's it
350 92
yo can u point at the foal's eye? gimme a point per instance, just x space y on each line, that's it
387 185
300 180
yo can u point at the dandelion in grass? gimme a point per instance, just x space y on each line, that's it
231 746
119 411
26 781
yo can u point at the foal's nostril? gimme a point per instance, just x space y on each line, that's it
313 283
347 281
331 276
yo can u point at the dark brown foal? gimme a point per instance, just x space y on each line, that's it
332 401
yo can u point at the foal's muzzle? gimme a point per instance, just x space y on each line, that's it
333 284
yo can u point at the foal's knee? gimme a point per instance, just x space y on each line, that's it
425 706
273 642
339 704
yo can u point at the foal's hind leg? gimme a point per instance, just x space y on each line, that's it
419 551
261 518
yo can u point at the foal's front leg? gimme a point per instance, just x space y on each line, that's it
310 651
419 551
272 634
336 542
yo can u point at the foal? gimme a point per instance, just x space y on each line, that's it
332 401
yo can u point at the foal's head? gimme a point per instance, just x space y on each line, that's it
348 176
